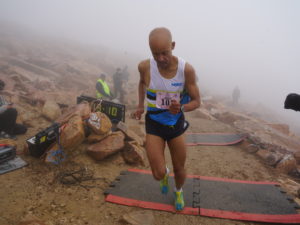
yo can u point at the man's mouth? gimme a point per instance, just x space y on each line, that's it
162 64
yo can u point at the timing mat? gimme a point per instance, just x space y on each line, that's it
213 139
207 196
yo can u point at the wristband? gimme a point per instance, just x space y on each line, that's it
182 108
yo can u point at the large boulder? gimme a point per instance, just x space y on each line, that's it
99 123
51 110
83 110
287 164
93 138
134 154
108 146
130 135
73 133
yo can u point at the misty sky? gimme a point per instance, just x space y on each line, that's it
254 44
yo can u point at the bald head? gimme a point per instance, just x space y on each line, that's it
161 45
160 33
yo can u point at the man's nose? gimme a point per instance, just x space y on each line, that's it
160 58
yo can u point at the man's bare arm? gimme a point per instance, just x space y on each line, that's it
192 88
142 67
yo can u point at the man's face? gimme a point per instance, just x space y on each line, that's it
162 52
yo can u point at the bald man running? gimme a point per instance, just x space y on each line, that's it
165 79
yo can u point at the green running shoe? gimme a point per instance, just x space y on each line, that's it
179 201
164 183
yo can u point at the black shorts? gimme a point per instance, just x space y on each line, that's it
164 131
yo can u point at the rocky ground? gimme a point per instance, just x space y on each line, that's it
37 192
36 189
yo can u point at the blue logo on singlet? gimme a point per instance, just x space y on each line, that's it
177 84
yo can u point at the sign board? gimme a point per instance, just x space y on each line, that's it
115 111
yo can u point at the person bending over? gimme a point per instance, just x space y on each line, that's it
8 117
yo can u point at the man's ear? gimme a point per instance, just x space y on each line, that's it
173 45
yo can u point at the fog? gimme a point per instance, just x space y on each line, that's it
254 44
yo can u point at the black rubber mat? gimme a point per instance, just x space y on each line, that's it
213 138
208 196
12 164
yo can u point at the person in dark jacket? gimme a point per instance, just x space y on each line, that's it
8 117
118 85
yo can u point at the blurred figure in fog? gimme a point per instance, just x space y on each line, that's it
236 95
118 85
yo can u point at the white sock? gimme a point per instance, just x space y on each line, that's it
178 190
167 170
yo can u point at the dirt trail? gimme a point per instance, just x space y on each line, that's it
35 190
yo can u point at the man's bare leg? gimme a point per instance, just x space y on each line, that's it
155 147
178 154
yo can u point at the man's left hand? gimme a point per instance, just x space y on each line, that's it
174 107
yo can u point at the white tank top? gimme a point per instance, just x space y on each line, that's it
158 82
162 90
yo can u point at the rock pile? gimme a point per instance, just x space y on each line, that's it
272 142
80 124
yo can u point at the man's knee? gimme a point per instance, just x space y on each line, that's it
178 171
159 173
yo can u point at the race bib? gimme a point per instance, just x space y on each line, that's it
163 99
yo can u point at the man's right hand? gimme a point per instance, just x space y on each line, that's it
138 113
